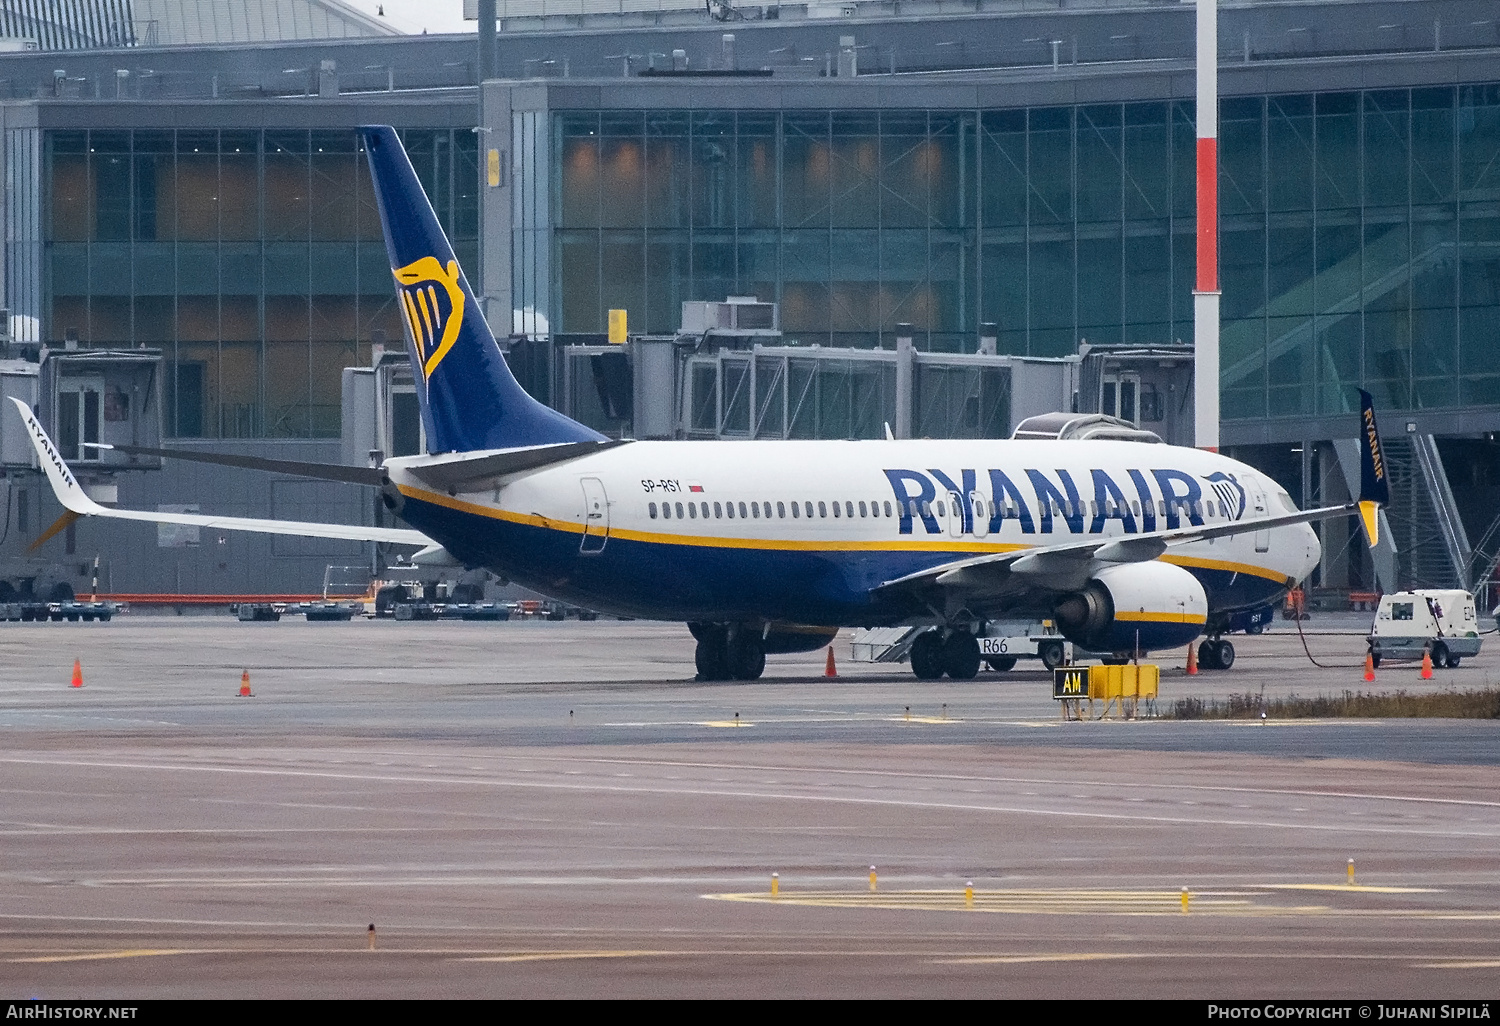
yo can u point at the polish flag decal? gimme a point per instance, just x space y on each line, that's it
695 488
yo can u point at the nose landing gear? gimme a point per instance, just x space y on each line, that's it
1215 654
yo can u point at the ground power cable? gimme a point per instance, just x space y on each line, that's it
1321 666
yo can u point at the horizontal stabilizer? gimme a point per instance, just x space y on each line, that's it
294 468
464 471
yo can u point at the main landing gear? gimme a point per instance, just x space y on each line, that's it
1215 654
728 652
957 655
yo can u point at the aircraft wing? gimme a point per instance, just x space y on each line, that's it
72 496
1065 562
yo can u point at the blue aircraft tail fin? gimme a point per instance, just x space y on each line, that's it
468 396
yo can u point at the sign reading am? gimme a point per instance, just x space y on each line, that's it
1070 682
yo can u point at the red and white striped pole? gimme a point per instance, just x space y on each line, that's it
1206 288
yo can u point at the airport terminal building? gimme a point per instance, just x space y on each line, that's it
1014 183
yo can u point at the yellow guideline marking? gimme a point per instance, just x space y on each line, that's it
128 953
918 719
550 956
1457 965
725 723
1098 956
1352 887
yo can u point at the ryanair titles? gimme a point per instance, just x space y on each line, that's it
1050 497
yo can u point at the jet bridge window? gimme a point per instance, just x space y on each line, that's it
1401 610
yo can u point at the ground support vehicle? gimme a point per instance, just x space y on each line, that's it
72 611
1438 621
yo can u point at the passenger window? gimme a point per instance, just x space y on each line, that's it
755 510
926 510
679 510
1135 506
718 512
781 509
729 510
796 509
942 510
835 507
693 510
808 505
651 507
666 511
705 511
742 511
915 509
822 510
848 508
862 507
887 509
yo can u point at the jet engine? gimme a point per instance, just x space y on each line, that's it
1133 606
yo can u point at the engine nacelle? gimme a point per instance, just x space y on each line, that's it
1134 605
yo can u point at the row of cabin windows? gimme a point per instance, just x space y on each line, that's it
756 510
846 508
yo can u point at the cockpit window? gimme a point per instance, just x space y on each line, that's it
1286 501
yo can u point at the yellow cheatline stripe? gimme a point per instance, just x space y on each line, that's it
1352 887
1239 568
1160 617
1093 956
128 953
551 956
916 545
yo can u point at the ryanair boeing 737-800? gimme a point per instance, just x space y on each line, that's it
771 546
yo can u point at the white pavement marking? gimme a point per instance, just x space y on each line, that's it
750 794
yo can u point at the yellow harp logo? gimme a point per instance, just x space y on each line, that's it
434 307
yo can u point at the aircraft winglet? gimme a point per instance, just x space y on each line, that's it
1374 489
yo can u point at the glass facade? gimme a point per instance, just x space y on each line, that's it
253 259
1360 232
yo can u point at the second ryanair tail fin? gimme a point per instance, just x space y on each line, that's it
1374 488
469 398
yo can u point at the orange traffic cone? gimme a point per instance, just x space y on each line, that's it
245 685
77 675
1369 666
1426 665
829 669
1192 667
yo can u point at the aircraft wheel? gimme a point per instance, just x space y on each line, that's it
961 656
1051 653
712 654
746 655
1453 661
1440 654
1001 663
927 656
1208 656
1226 655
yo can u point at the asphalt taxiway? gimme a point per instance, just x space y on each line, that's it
560 810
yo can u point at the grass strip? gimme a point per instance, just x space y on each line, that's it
1469 704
